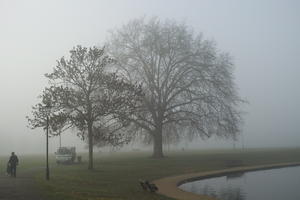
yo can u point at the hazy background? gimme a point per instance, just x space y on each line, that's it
262 37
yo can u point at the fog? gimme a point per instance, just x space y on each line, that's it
261 36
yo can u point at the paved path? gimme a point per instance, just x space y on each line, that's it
21 188
169 186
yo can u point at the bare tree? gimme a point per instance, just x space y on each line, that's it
83 94
186 80
45 116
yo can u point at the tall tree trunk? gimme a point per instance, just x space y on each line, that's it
90 135
157 143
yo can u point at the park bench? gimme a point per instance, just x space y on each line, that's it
148 186
235 175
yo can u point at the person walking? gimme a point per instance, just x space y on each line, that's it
13 161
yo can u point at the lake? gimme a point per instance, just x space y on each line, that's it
272 184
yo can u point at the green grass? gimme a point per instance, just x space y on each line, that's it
116 175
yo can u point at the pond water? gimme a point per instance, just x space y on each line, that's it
273 184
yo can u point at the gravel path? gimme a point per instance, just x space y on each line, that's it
21 188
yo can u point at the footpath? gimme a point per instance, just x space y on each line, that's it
22 187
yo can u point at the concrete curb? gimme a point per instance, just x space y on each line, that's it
168 186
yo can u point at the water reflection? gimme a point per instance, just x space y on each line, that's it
235 175
229 193
276 184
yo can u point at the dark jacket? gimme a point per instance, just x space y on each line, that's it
13 160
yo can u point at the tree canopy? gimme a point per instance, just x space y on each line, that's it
84 94
188 83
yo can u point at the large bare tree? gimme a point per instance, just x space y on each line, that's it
188 83
86 95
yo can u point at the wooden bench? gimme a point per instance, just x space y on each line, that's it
148 186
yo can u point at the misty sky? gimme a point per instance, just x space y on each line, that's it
262 37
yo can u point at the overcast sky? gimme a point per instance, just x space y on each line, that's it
262 37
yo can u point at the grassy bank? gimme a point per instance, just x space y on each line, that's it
116 175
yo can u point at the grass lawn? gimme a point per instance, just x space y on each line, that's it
116 175
28 162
